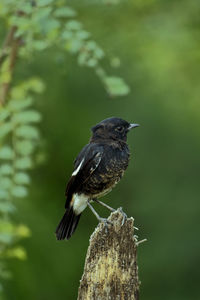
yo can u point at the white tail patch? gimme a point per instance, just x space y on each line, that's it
79 203
78 168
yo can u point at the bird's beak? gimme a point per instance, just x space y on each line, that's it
133 126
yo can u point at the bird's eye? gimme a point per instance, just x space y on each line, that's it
120 128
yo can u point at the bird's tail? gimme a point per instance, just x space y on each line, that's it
67 225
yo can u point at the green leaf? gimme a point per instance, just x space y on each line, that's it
42 14
23 231
6 226
50 24
65 12
23 163
23 24
19 104
18 92
19 191
100 73
35 84
27 131
83 57
7 207
27 8
98 53
74 45
6 238
91 45
92 62
27 116
40 45
5 182
44 2
67 35
6 153
73 25
116 86
115 62
5 129
17 252
25 147
6 169
4 114
4 194
82 34
21 178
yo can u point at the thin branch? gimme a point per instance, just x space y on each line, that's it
7 43
9 51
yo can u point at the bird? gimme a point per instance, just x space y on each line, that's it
97 169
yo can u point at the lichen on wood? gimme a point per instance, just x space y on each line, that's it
111 270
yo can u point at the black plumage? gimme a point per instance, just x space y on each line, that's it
97 169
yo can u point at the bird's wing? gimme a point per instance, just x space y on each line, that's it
85 164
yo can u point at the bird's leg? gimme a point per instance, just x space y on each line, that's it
112 209
94 212
105 221
105 205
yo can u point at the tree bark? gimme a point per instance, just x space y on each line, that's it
111 270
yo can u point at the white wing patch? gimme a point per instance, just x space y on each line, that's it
80 203
78 168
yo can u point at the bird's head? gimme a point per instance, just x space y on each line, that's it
112 128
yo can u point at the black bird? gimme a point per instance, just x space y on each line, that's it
97 169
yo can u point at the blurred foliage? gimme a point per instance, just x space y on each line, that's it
46 23
154 44
18 139
33 26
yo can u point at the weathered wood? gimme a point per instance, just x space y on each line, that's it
111 270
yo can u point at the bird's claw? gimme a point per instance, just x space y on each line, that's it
106 223
124 216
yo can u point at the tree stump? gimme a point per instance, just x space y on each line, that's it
111 270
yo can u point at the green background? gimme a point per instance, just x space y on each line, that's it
158 44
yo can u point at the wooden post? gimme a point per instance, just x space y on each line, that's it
111 271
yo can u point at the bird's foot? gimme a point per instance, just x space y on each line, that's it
100 219
106 223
